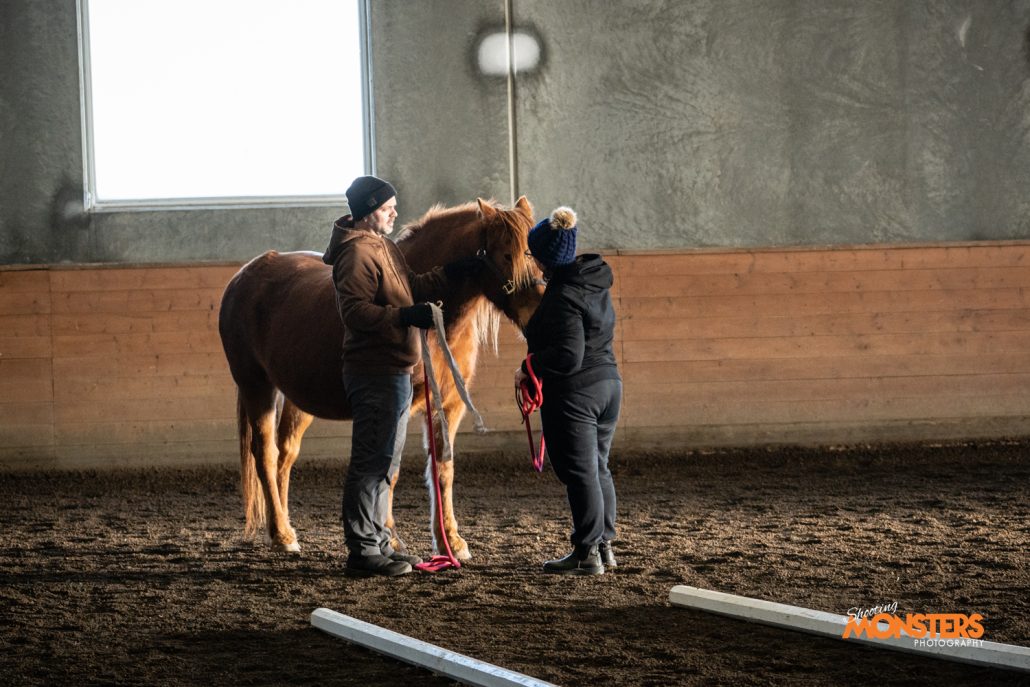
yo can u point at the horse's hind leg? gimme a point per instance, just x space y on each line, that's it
395 539
260 411
293 422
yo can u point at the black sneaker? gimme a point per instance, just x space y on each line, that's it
584 560
607 555
407 558
365 566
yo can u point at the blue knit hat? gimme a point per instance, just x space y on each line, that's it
553 240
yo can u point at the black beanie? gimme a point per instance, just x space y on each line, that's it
366 194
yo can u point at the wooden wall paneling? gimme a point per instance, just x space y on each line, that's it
838 258
25 380
874 412
26 372
891 336
646 374
715 346
730 305
139 363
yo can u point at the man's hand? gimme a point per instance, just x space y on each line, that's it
419 315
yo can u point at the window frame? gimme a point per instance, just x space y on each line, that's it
89 195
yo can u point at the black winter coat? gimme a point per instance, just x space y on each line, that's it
570 335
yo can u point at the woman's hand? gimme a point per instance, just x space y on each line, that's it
520 377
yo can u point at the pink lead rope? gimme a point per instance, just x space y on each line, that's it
529 396
440 562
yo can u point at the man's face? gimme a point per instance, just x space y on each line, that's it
381 220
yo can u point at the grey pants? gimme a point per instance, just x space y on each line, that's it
579 426
381 404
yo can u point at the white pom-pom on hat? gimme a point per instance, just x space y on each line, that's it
553 240
563 218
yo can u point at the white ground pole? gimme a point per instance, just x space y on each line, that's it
455 666
979 652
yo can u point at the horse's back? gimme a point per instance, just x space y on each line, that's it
279 327
272 270
260 288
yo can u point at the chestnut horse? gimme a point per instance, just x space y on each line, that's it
283 336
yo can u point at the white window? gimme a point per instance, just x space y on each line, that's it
223 102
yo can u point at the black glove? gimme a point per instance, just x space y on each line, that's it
463 268
419 315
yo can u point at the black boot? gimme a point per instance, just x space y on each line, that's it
607 555
405 557
365 566
584 560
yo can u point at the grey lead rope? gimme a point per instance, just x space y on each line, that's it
459 381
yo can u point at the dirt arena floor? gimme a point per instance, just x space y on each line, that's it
141 577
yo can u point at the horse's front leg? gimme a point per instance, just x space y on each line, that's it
455 410
459 547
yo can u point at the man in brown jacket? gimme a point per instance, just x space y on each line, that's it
381 303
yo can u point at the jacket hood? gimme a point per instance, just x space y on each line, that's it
343 231
589 271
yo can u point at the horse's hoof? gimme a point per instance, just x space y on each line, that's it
460 549
292 547
397 543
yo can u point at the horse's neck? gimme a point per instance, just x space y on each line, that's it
438 242
443 238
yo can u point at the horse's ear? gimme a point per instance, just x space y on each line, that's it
523 204
485 209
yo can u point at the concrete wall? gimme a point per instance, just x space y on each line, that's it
435 143
782 122
441 127
667 124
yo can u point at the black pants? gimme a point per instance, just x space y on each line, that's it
578 427
381 404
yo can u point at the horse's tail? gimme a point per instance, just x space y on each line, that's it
250 485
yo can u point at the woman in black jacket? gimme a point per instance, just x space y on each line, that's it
570 350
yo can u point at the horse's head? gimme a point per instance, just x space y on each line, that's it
511 280
497 236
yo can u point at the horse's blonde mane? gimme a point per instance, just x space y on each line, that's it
439 210
486 324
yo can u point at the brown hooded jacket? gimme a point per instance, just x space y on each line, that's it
373 282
